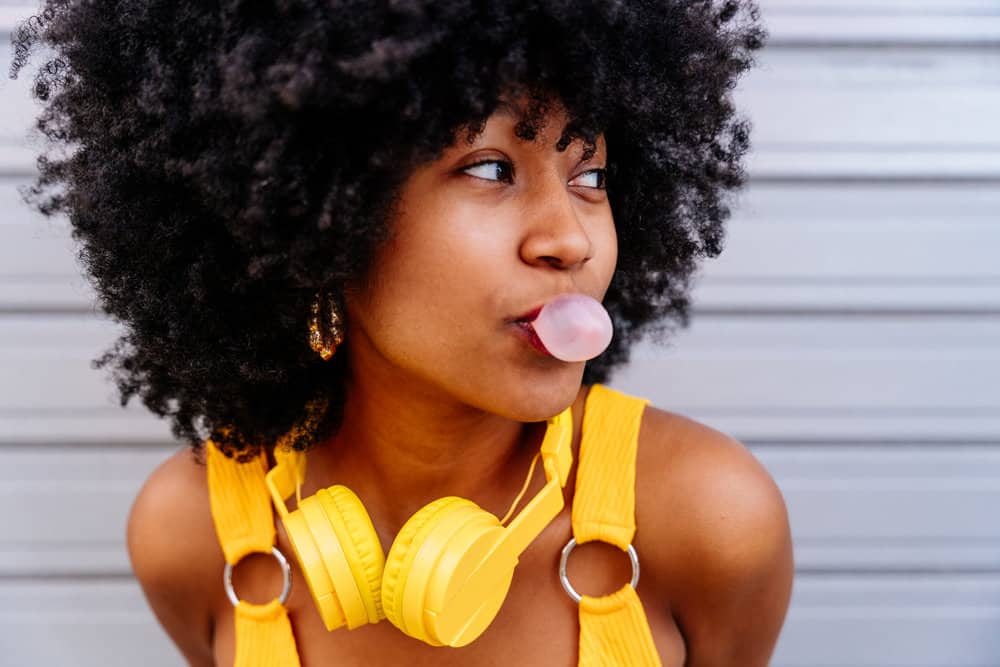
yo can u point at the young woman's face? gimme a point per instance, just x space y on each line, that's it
484 235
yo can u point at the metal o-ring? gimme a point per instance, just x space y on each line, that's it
568 587
286 572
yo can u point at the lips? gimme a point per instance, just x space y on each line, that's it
529 316
528 331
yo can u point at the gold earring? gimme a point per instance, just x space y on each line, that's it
325 339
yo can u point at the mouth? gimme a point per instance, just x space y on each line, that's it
524 328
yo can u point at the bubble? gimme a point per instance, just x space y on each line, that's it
574 327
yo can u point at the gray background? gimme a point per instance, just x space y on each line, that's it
848 335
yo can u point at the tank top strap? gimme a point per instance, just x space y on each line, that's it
241 510
604 500
614 629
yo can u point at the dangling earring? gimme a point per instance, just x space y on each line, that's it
325 339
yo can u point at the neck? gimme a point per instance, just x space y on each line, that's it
401 446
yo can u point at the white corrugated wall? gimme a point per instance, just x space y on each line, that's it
850 335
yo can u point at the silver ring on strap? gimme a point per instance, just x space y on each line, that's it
286 572
568 587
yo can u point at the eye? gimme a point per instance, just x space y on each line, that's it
593 178
492 170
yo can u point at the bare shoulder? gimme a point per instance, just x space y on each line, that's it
721 501
174 555
715 539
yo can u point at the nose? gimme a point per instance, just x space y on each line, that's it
555 234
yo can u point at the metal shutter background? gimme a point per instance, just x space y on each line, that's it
848 334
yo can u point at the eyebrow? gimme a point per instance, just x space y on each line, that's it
505 108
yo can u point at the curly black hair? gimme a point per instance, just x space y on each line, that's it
223 161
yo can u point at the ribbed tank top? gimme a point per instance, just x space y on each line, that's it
614 630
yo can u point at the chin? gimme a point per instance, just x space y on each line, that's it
534 398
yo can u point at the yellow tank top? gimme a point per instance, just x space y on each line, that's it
613 628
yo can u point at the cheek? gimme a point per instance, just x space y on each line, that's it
447 265
435 274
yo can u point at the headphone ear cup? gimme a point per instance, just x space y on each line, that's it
361 546
332 560
314 570
400 555
447 580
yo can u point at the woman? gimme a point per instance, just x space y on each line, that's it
331 228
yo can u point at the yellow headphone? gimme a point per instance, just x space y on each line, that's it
449 568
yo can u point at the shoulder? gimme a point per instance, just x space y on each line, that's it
174 555
721 501
715 538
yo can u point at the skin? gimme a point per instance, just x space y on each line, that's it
446 398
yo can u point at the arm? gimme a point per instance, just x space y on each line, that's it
169 554
724 561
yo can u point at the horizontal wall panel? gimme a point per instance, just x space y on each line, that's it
111 426
820 378
890 507
821 235
797 29
47 362
64 508
867 205
761 424
861 166
38 250
845 247
802 22
15 160
89 623
874 113
752 296
38 295
858 104
49 391
38 265
928 8
905 621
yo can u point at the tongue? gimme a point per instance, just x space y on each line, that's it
573 327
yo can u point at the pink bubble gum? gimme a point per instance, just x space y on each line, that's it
573 327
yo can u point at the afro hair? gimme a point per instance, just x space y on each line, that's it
221 162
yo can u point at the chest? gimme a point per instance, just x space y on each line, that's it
537 624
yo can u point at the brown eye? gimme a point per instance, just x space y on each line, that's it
492 170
